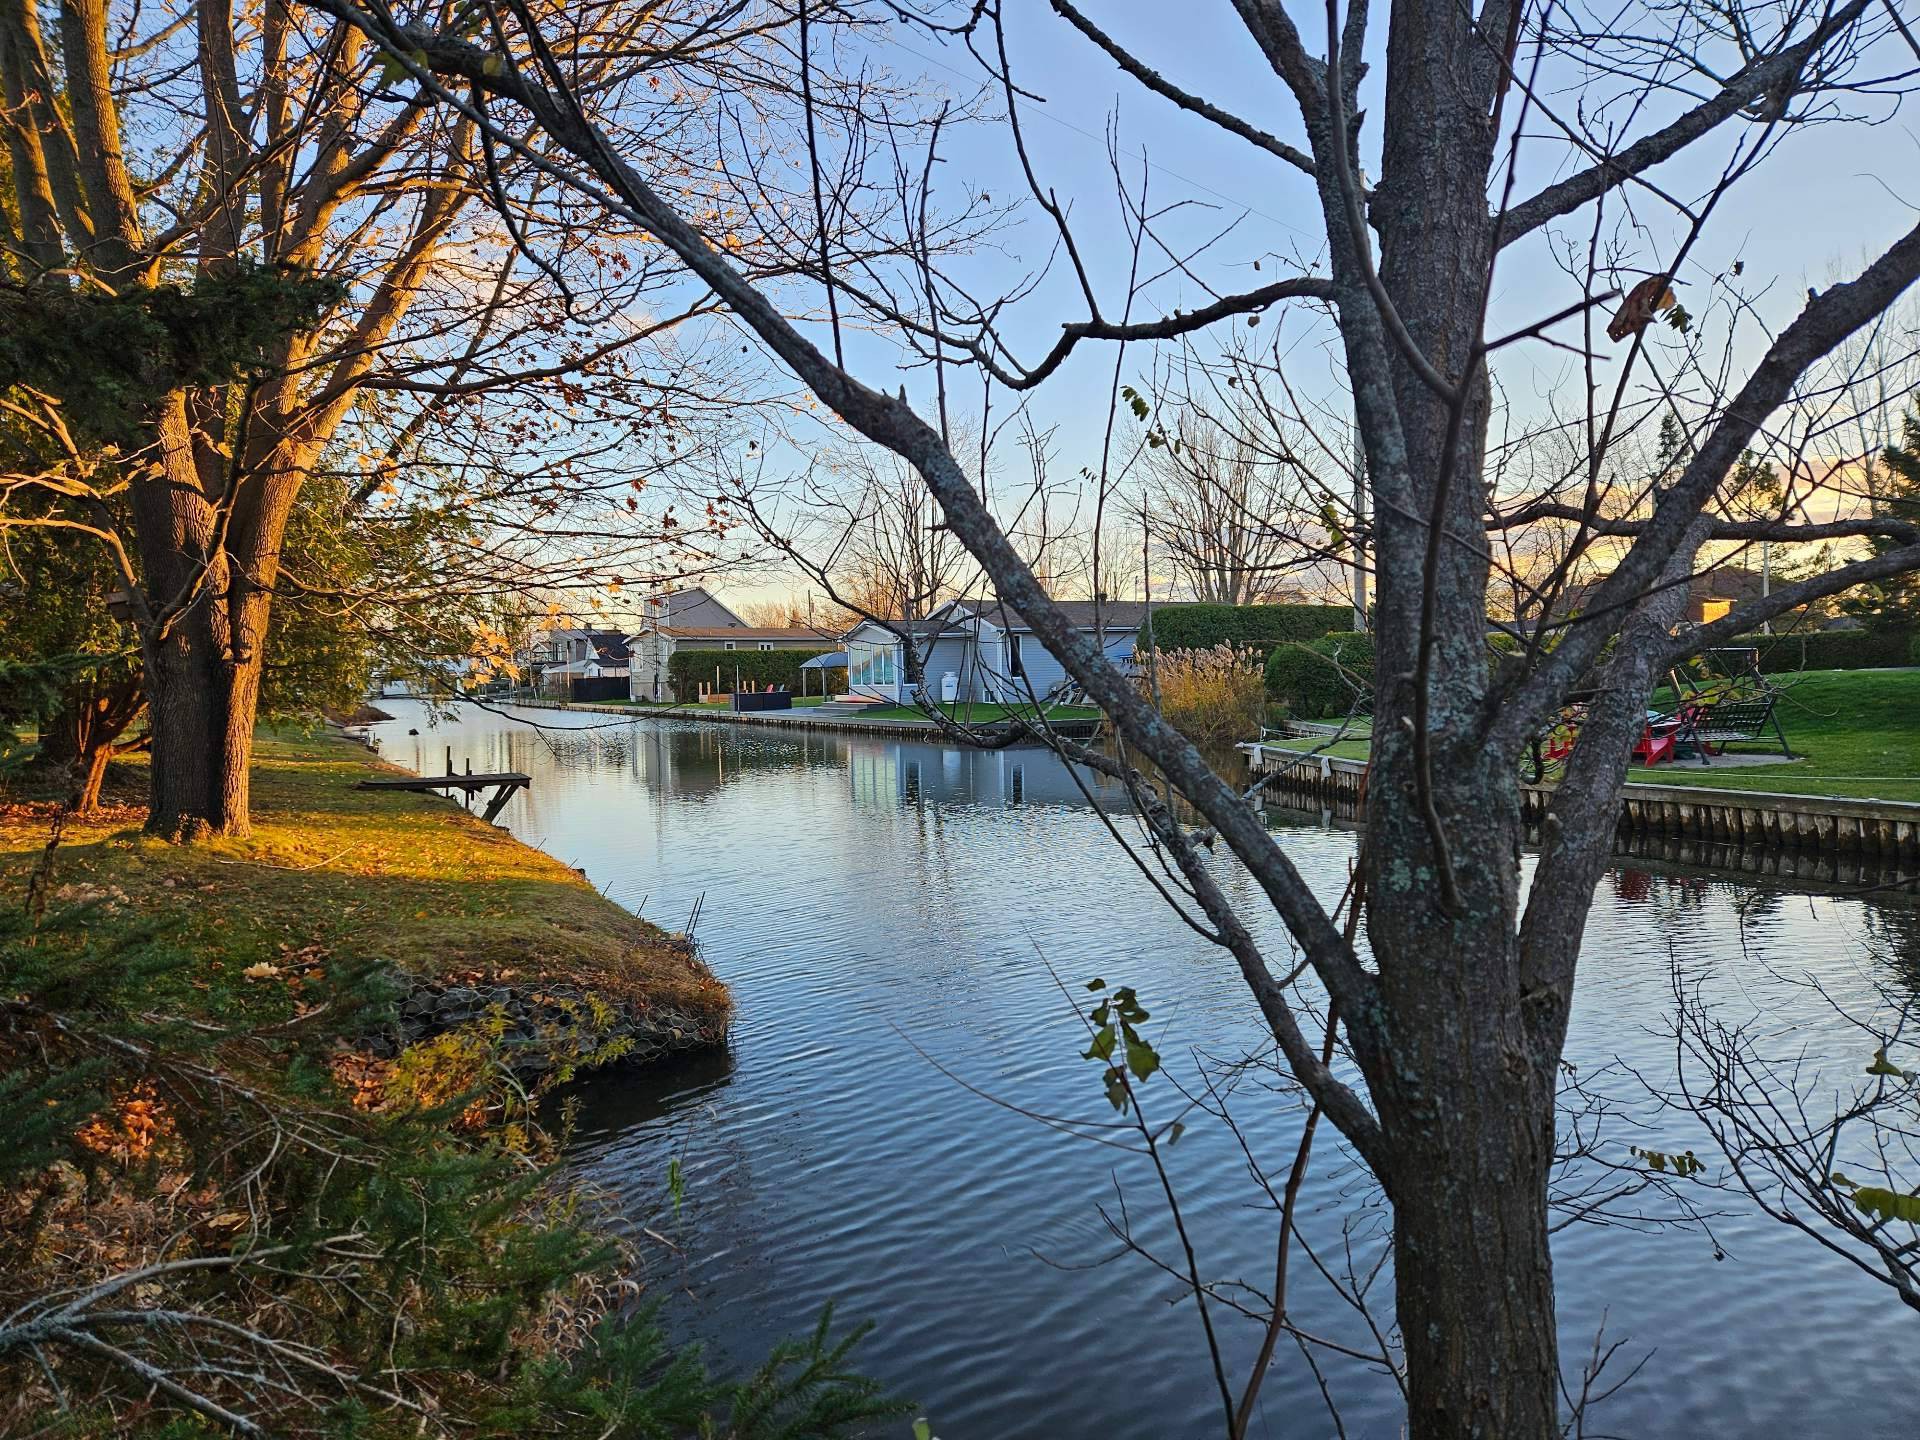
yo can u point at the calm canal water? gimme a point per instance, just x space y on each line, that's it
886 910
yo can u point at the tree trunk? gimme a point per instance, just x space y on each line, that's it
1473 1270
203 664
1468 1246
89 775
1464 1079
203 707
1465 1095
84 734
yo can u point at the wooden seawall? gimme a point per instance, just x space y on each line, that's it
1882 829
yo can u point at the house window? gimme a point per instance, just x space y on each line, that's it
730 646
873 667
1014 667
766 644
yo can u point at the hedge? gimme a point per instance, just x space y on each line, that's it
1781 654
1317 680
687 670
1259 627
1834 650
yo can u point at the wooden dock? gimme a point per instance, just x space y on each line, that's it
1883 829
503 783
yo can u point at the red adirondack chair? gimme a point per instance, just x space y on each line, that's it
1656 742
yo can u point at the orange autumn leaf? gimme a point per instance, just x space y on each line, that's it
1650 297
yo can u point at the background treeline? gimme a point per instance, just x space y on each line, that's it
1316 668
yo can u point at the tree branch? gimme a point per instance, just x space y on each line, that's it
1186 100
1770 76
1742 618
1828 319
1170 327
1777 530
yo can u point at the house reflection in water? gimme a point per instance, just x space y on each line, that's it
905 772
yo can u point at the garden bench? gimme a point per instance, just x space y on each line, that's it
1707 728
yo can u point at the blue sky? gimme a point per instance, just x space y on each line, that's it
1830 197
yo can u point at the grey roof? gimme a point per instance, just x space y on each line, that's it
1113 616
697 607
610 645
933 625
835 661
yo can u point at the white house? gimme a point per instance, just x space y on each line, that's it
986 649
562 656
695 620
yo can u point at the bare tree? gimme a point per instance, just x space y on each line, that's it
1228 512
1453 1031
897 560
168 164
777 612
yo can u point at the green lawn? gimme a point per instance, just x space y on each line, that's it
1859 731
976 712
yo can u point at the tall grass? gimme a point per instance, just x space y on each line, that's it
1214 696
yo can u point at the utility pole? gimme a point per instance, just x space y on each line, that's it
1766 580
1359 524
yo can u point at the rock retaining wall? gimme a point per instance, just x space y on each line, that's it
540 1027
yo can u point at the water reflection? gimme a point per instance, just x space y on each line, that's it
879 906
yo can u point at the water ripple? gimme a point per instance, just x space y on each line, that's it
877 905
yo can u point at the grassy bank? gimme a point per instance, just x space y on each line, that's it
800 702
364 876
221 1212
